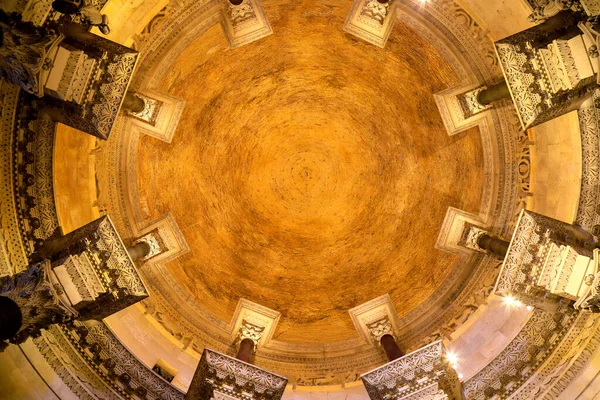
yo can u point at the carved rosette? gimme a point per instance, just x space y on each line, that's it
218 375
424 373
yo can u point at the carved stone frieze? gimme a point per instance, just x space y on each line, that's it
13 254
93 363
34 185
423 374
100 245
531 62
518 362
218 374
527 260
111 75
588 216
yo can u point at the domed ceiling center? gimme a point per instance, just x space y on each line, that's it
310 172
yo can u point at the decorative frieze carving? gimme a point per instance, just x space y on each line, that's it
547 77
244 23
94 364
97 258
13 254
371 20
33 181
588 216
110 77
422 374
546 258
518 362
218 374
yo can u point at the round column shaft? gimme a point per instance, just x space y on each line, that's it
133 103
10 317
138 251
392 350
494 245
493 93
246 350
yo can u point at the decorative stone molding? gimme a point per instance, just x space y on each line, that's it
371 20
254 321
520 360
588 216
165 239
105 268
534 66
543 259
244 23
34 184
459 232
13 251
161 115
221 376
94 364
111 75
375 318
422 374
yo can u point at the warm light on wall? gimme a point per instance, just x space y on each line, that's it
512 302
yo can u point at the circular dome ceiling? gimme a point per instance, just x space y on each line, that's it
310 172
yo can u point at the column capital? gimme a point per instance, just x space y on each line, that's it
375 319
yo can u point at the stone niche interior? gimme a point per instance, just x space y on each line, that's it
311 172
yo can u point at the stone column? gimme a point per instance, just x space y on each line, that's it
133 103
494 245
494 93
392 350
246 350
138 251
